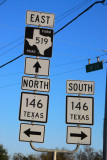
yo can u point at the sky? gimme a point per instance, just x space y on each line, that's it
83 39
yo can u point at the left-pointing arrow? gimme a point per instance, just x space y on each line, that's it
28 132
37 66
82 135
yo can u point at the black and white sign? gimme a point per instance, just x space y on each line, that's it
80 87
34 66
35 84
40 19
32 133
38 42
78 135
34 107
79 110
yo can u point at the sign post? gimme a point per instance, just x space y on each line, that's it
80 111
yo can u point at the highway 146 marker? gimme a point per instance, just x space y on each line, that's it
79 110
34 107
34 66
38 42
32 133
78 135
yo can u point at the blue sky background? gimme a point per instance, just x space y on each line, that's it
85 38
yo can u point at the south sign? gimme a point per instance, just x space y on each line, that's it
80 87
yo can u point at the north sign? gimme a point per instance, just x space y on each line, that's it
78 135
40 19
38 42
32 133
34 66
80 87
35 84
79 110
34 107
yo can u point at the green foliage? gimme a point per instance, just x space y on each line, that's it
3 153
87 153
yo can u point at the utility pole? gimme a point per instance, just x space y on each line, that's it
105 126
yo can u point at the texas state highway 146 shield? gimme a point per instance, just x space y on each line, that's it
38 42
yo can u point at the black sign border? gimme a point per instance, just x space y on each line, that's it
34 120
32 125
92 110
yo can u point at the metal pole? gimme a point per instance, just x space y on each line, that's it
105 126
54 155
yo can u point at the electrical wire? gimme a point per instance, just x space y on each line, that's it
73 10
79 15
11 43
60 28
11 49
3 2
80 45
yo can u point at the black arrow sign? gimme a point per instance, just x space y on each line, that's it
28 132
82 135
37 66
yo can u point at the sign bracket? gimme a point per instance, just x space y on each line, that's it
54 151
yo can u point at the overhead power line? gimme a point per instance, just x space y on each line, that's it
70 11
3 2
79 15
59 29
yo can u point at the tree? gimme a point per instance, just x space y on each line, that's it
19 156
3 153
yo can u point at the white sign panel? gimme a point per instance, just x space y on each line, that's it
79 110
34 107
35 84
40 19
80 87
34 66
32 133
78 135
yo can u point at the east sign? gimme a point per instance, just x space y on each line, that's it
40 19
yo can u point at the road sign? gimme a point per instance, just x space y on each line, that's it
34 66
80 87
40 19
79 110
78 135
38 42
35 84
94 66
32 133
34 107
